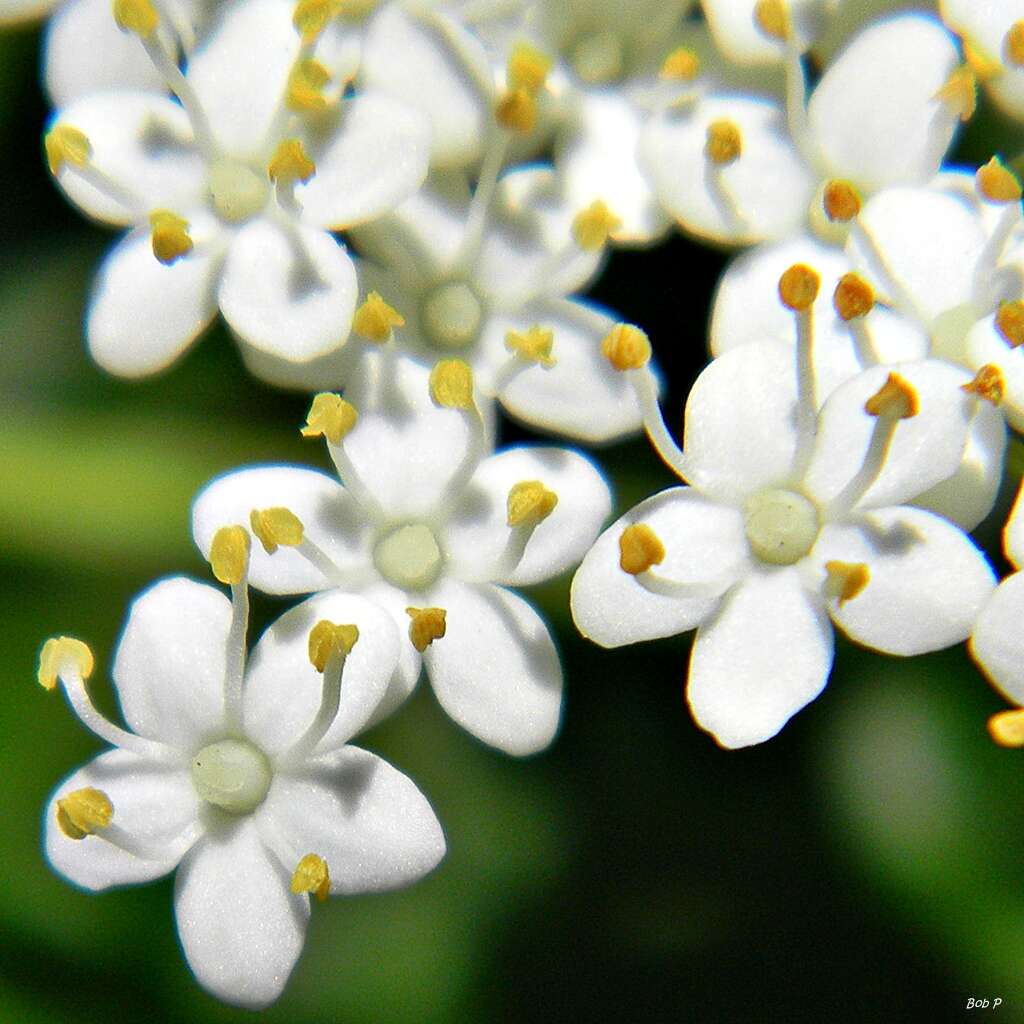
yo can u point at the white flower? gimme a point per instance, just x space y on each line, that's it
736 168
239 776
230 193
734 26
435 532
791 517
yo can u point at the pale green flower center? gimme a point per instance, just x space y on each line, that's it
949 332
599 58
781 525
232 774
238 191
452 315
408 556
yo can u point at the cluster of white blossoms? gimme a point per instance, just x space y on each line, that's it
482 157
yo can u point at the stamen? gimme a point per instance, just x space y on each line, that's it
306 84
626 347
290 164
276 527
772 18
592 227
529 504
1007 728
1013 45
375 320
681 65
639 548
798 287
854 297
63 654
988 384
329 640
997 183
724 144
528 68
960 93
517 111
534 346
841 201
1010 322
229 559
311 18
137 16
798 290
645 387
330 416
451 385
83 812
170 237
896 399
312 876
427 625
229 554
66 145
845 580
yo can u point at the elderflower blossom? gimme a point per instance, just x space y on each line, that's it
230 193
435 530
238 774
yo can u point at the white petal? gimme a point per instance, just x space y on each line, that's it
985 345
599 161
292 294
153 803
581 396
283 690
763 194
496 670
331 518
1013 535
86 52
997 643
376 158
367 820
142 142
928 581
705 544
143 314
170 663
435 65
925 449
740 432
875 115
240 927
410 664
478 531
764 656
239 74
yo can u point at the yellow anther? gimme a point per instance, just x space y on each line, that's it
527 69
60 653
375 319
985 68
841 201
853 297
83 812
66 145
330 416
306 84
229 554
1007 728
772 18
988 383
724 143
170 237
138 16
517 111
639 548
895 398
328 639
276 527
1013 45
529 503
312 875
311 17
626 347
845 580
592 227
960 92
534 346
290 163
798 287
1010 322
681 65
997 183
427 625
451 384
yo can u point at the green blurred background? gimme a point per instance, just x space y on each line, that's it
864 866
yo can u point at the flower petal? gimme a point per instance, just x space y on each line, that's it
170 663
292 294
367 820
283 690
496 670
739 37
996 640
986 346
927 585
240 927
152 802
478 531
875 114
1013 535
376 158
143 314
331 518
766 654
705 545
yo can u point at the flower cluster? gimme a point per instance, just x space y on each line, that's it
395 206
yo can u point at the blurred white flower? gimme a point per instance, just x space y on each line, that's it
239 775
